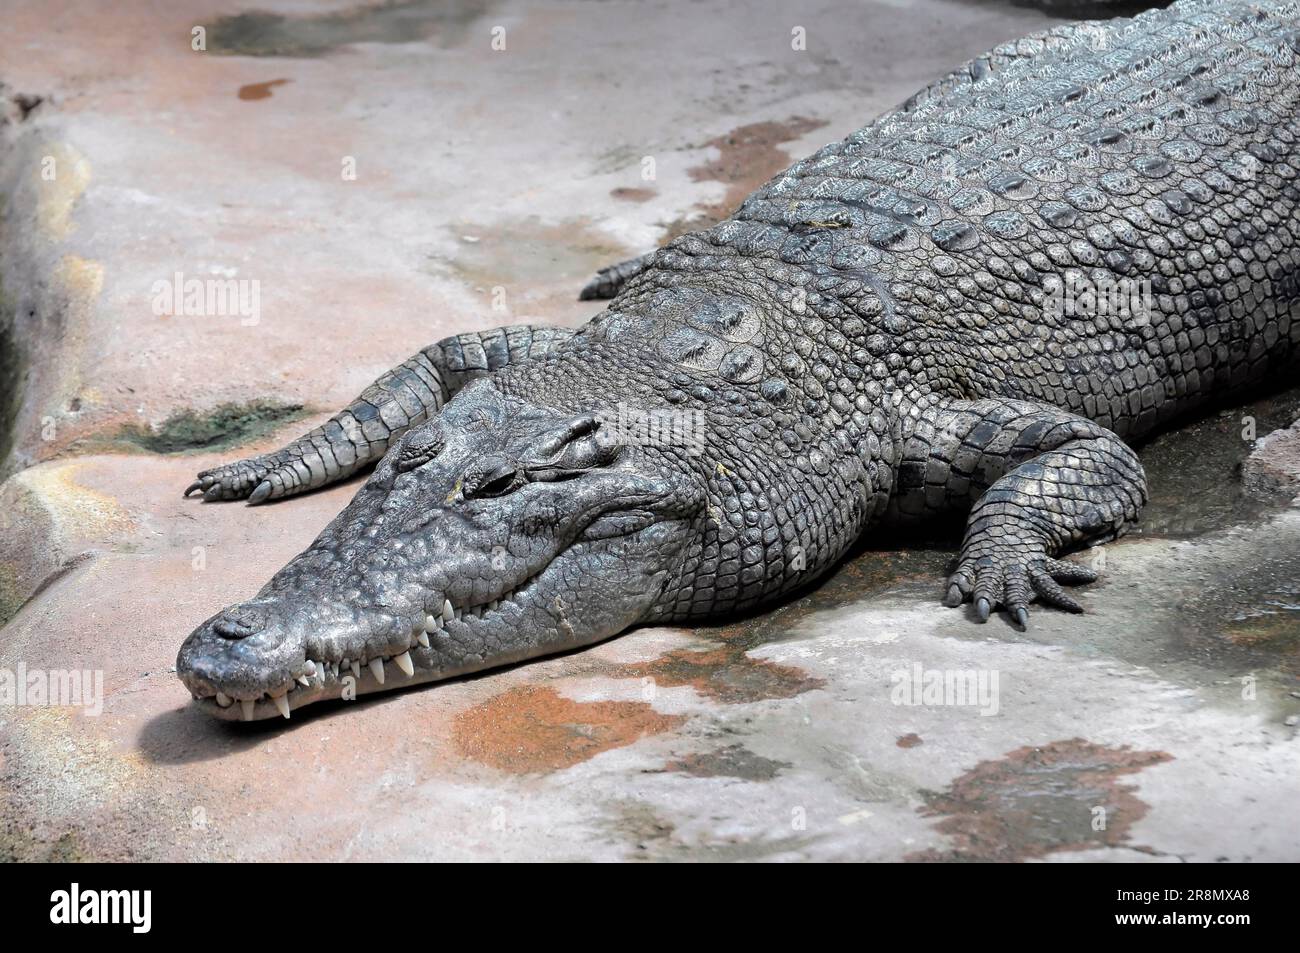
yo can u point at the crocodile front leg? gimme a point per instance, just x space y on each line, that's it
1040 482
362 432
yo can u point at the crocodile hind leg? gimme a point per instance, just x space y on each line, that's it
361 433
610 281
1039 482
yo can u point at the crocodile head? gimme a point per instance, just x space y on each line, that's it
498 531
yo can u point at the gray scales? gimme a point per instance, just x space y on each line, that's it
876 336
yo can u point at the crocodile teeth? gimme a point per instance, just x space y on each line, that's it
356 669
281 703
492 606
310 667
377 669
448 612
246 708
423 639
431 623
303 681
224 700
404 663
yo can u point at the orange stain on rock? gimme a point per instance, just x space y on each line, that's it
747 157
1040 800
255 91
633 195
533 730
726 674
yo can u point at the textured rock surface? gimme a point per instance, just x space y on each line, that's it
775 738
1273 467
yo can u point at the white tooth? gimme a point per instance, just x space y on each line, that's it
310 667
246 707
492 606
303 681
431 623
423 639
356 669
405 664
448 612
282 703
377 669
223 700
459 613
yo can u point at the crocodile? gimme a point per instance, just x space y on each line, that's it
972 306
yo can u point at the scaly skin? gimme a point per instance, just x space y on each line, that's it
872 337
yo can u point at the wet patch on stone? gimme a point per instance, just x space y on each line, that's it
909 741
535 730
726 674
1194 471
748 157
916 567
1249 622
258 33
733 761
1035 801
526 255
1089 9
226 426
255 91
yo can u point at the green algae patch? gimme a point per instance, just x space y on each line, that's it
222 428
260 33
11 595
13 374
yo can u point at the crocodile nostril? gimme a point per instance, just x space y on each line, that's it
239 622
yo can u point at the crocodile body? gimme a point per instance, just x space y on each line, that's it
970 304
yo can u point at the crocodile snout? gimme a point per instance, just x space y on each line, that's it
244 654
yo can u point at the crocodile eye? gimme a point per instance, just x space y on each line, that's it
495 480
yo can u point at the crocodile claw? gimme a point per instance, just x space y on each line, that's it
234 481
1010 577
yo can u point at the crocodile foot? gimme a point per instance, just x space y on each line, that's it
1010 573
242 479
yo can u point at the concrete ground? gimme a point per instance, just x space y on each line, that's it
387 177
